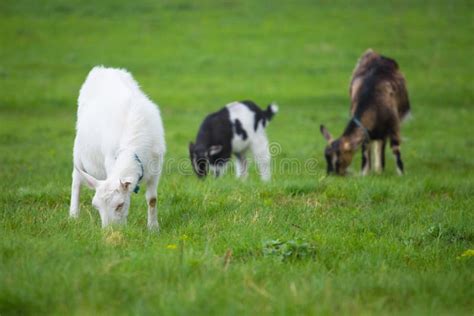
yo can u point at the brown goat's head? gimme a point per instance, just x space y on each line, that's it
338 153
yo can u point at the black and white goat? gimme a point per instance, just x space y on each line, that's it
379 104
235 129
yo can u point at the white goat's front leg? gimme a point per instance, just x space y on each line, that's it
241 166
75 194
151 200
261 154
109 164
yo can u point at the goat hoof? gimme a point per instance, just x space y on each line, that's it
154 227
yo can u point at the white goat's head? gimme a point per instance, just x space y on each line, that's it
111 199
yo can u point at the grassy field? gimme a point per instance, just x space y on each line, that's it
303 244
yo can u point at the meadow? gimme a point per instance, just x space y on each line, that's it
302 244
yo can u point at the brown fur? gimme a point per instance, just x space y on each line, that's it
152 202
379 100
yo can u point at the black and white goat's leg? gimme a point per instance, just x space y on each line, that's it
75 194
366 159
261 152
241 166
395 145
151 200
218 168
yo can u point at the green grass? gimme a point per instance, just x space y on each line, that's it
371 246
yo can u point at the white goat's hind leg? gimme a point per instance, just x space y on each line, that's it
151 199
75 194
241 166
377 154
262 157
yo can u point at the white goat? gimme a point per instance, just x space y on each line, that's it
119 143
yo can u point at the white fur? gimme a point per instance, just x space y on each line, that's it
274 107
256 140
377 153
408 117
374 157
115 122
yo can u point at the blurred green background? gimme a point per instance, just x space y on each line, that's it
374 245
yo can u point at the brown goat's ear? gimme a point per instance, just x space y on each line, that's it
325 133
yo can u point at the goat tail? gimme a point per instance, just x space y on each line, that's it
271 110
405 111
407 116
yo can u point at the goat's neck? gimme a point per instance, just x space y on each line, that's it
127 167
354 137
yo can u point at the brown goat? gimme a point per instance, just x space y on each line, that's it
379 103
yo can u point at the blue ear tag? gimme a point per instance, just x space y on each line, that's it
137 188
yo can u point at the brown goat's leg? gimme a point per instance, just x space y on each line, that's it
365 158
395 144
382 153
377 154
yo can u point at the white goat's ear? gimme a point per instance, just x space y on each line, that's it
91 182
325 133
125 184
214 150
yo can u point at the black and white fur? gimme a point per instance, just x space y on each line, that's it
235 129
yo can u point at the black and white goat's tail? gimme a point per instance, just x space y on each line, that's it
271 110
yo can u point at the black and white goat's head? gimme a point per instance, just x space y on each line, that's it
199 156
